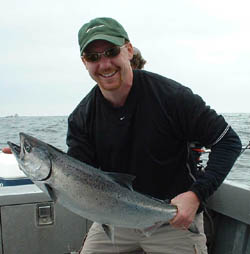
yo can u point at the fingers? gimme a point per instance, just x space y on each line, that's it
187 204
181 220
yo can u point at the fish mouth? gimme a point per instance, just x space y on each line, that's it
15 149
32 160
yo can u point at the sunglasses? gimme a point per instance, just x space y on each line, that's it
109 53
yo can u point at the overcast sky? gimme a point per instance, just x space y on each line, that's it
202 44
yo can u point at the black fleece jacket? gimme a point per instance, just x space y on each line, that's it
149 137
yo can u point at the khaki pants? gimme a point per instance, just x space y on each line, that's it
165 240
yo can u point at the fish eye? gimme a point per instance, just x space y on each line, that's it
27 147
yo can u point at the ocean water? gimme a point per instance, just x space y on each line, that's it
53 129
50 129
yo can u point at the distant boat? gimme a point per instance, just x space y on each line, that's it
11 116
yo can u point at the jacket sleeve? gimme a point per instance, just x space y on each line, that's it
199 123
221 159
78 139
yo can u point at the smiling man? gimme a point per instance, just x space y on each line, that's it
113 74
140 123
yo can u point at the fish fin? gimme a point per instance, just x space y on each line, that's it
110 232
150 230
124 180
193 228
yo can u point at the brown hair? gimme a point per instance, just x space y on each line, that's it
137 62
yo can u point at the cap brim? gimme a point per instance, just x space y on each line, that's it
119 41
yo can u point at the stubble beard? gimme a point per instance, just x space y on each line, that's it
112 86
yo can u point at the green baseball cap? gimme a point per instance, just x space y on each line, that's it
106 29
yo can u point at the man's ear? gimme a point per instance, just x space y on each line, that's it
130 50
84 62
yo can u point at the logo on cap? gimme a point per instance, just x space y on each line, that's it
91 28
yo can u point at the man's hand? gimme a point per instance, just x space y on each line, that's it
187 204
6 150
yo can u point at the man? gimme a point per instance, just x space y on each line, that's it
141 123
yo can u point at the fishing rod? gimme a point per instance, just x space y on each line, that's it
202 150
201 168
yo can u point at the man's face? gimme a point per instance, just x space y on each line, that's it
110 73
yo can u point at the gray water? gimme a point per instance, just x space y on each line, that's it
53 129
50 129
240 173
